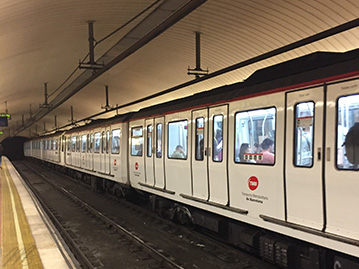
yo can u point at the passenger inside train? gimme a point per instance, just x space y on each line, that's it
267 151
179 153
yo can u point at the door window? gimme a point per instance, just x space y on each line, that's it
107 140
217 147
103 141
73 143
149 140
83 148
136 141
304 134
347 154
199 139
116 138
159 141
97 142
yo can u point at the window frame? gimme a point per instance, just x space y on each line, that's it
275 137
119 145
99 148
336 133
213 137
161 138
294 134
132 136
149 150
196 139
168 140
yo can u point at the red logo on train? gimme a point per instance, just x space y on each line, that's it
136 166
115 162
253 183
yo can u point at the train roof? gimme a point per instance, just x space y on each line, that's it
101 122
303 71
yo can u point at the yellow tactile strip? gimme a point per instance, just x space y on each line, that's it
18 249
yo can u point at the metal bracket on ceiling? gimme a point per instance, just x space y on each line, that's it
107 106
46 103
72 120
198 71
55 122
91 64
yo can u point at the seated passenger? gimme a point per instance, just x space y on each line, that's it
179 153
244 149
267 148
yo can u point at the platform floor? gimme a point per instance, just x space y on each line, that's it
28 238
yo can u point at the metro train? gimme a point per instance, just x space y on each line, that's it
270 164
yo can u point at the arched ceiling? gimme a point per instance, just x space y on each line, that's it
43 41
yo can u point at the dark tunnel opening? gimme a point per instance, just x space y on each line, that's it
14 147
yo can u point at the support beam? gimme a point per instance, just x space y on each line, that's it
166 14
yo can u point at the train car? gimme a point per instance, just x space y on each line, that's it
269 163
270 152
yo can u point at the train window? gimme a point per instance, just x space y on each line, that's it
159 141
217 147
91 142
199 148
88 142
69 144
116 135
136 141
63 144
255 136
55 144
97 142
78 144
303 134
107 140
149 140
177 139
83 142
73 143
347 155
103 148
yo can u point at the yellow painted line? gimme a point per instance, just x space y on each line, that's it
17 244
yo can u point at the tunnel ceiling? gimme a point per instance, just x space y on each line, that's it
43 42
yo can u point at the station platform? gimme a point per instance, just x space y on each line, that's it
28 239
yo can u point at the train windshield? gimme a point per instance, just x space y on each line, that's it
348 132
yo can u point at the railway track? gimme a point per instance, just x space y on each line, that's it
105 233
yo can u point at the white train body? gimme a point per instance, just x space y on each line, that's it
308 194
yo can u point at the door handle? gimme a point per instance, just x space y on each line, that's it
319 154
328 154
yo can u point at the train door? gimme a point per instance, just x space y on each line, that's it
159 145
217 151
199 153
342 159
83 155
303 164
149 163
